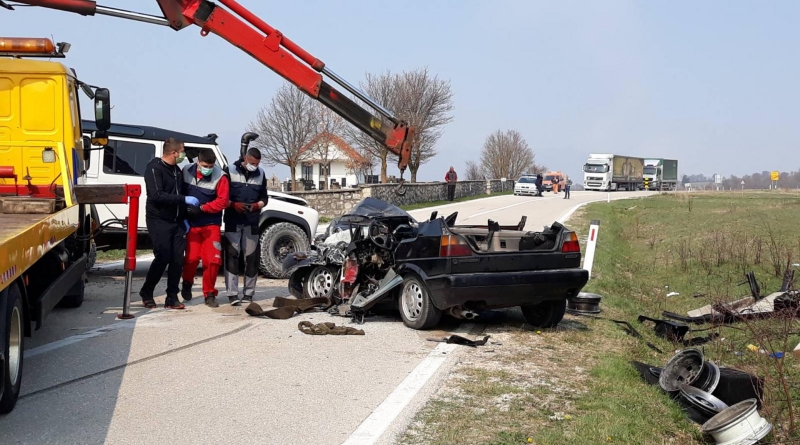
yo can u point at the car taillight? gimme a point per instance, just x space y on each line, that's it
571 244
453 245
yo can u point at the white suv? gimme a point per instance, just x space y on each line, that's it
287 222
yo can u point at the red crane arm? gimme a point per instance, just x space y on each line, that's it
270 47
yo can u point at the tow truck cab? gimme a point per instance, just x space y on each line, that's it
44 232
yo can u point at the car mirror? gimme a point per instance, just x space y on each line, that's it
102 109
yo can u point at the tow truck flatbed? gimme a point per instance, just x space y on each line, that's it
26 238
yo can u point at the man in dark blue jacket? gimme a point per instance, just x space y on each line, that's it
166 222
248 195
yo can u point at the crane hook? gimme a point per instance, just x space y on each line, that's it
400 190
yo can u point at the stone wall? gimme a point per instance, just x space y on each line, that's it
332 203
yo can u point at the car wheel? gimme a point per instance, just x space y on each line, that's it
14 344
297 282
277 241
320 283
547 314
416 307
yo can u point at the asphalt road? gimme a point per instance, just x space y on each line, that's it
204 376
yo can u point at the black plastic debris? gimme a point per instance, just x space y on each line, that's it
459 340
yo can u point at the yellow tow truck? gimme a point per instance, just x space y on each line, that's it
46 227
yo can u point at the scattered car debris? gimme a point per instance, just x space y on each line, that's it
584 303
738 424
630 330
327 328
676 332
704 389
287 307
459 340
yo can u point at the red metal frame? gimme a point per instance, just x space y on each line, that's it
132 194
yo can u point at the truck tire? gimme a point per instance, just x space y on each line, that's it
415 305
277 241
13 345
547 314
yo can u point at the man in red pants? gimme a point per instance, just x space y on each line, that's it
207 182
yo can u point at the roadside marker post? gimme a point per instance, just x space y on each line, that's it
591 244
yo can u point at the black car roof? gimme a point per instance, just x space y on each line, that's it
147 132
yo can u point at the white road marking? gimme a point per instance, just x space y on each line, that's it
508 207
376 424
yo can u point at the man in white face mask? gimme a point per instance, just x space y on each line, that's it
248 195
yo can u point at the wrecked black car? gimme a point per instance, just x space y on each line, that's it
378 252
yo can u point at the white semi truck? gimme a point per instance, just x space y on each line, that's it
609 172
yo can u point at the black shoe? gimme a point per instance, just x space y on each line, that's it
173 303
247 299
234 300
211 301
186 291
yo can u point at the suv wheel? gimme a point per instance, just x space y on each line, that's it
546 314
277 241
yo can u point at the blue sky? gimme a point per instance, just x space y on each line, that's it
713 84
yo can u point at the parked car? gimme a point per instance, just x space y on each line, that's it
525 185
378 252
288 223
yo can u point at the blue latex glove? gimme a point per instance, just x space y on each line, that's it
191 200
186 224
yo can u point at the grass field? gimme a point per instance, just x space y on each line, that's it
575 383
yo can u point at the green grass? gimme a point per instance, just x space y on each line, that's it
693 244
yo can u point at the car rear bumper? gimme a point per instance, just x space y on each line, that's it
497 290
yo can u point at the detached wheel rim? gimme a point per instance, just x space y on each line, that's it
321 282
14 346
413 299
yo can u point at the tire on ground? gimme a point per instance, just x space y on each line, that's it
284 237
547 314
415 305
11 381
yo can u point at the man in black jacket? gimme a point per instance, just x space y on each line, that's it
248 195
166 223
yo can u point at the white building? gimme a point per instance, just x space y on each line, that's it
328 153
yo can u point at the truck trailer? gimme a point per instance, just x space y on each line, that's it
610 172
661 174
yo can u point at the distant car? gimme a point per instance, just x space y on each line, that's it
526 185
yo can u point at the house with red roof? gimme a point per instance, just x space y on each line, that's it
329 156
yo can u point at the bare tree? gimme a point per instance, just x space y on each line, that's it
473 172
382 89
426 103
506 154
286 125
417 97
